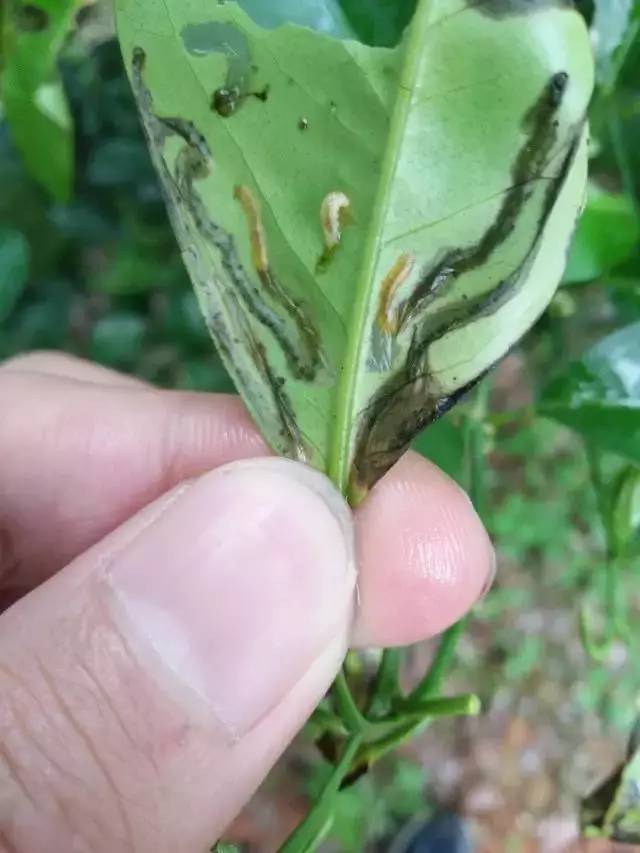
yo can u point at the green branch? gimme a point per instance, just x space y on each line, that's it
318 822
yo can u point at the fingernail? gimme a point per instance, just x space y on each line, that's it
241 583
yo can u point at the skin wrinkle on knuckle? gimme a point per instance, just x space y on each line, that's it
191 421
37 785
139 734
439 550
105 443
24 764
55 427
13 776
107 659
64 719
176 430
96 756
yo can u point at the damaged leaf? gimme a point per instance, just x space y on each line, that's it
359 277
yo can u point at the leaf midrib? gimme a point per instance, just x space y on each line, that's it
338 464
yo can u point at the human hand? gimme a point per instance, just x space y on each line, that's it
180 606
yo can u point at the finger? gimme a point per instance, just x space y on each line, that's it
78 459
146 690
424 554
66 366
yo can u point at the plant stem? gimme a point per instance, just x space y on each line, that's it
475 449
615 621
346 706
327 721
412 720
316 824
431 684
386 684
394 739
445 706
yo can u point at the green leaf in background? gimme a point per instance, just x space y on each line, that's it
625 521
444 444
610 23
32 96
617 487
599 396
379 22
323 16
608 234
14 269
369 232
613 810
118 339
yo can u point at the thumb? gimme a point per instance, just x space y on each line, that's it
146 690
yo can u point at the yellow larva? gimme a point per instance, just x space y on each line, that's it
388 318
251 207
333 213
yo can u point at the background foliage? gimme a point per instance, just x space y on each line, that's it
88 264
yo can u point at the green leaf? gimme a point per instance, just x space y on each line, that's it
444 444
608 234
626 510
117 162
370 231
610 23
14 269
379 22
613 810
33 98
203 374
599 396
316 826
117 340
323 16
